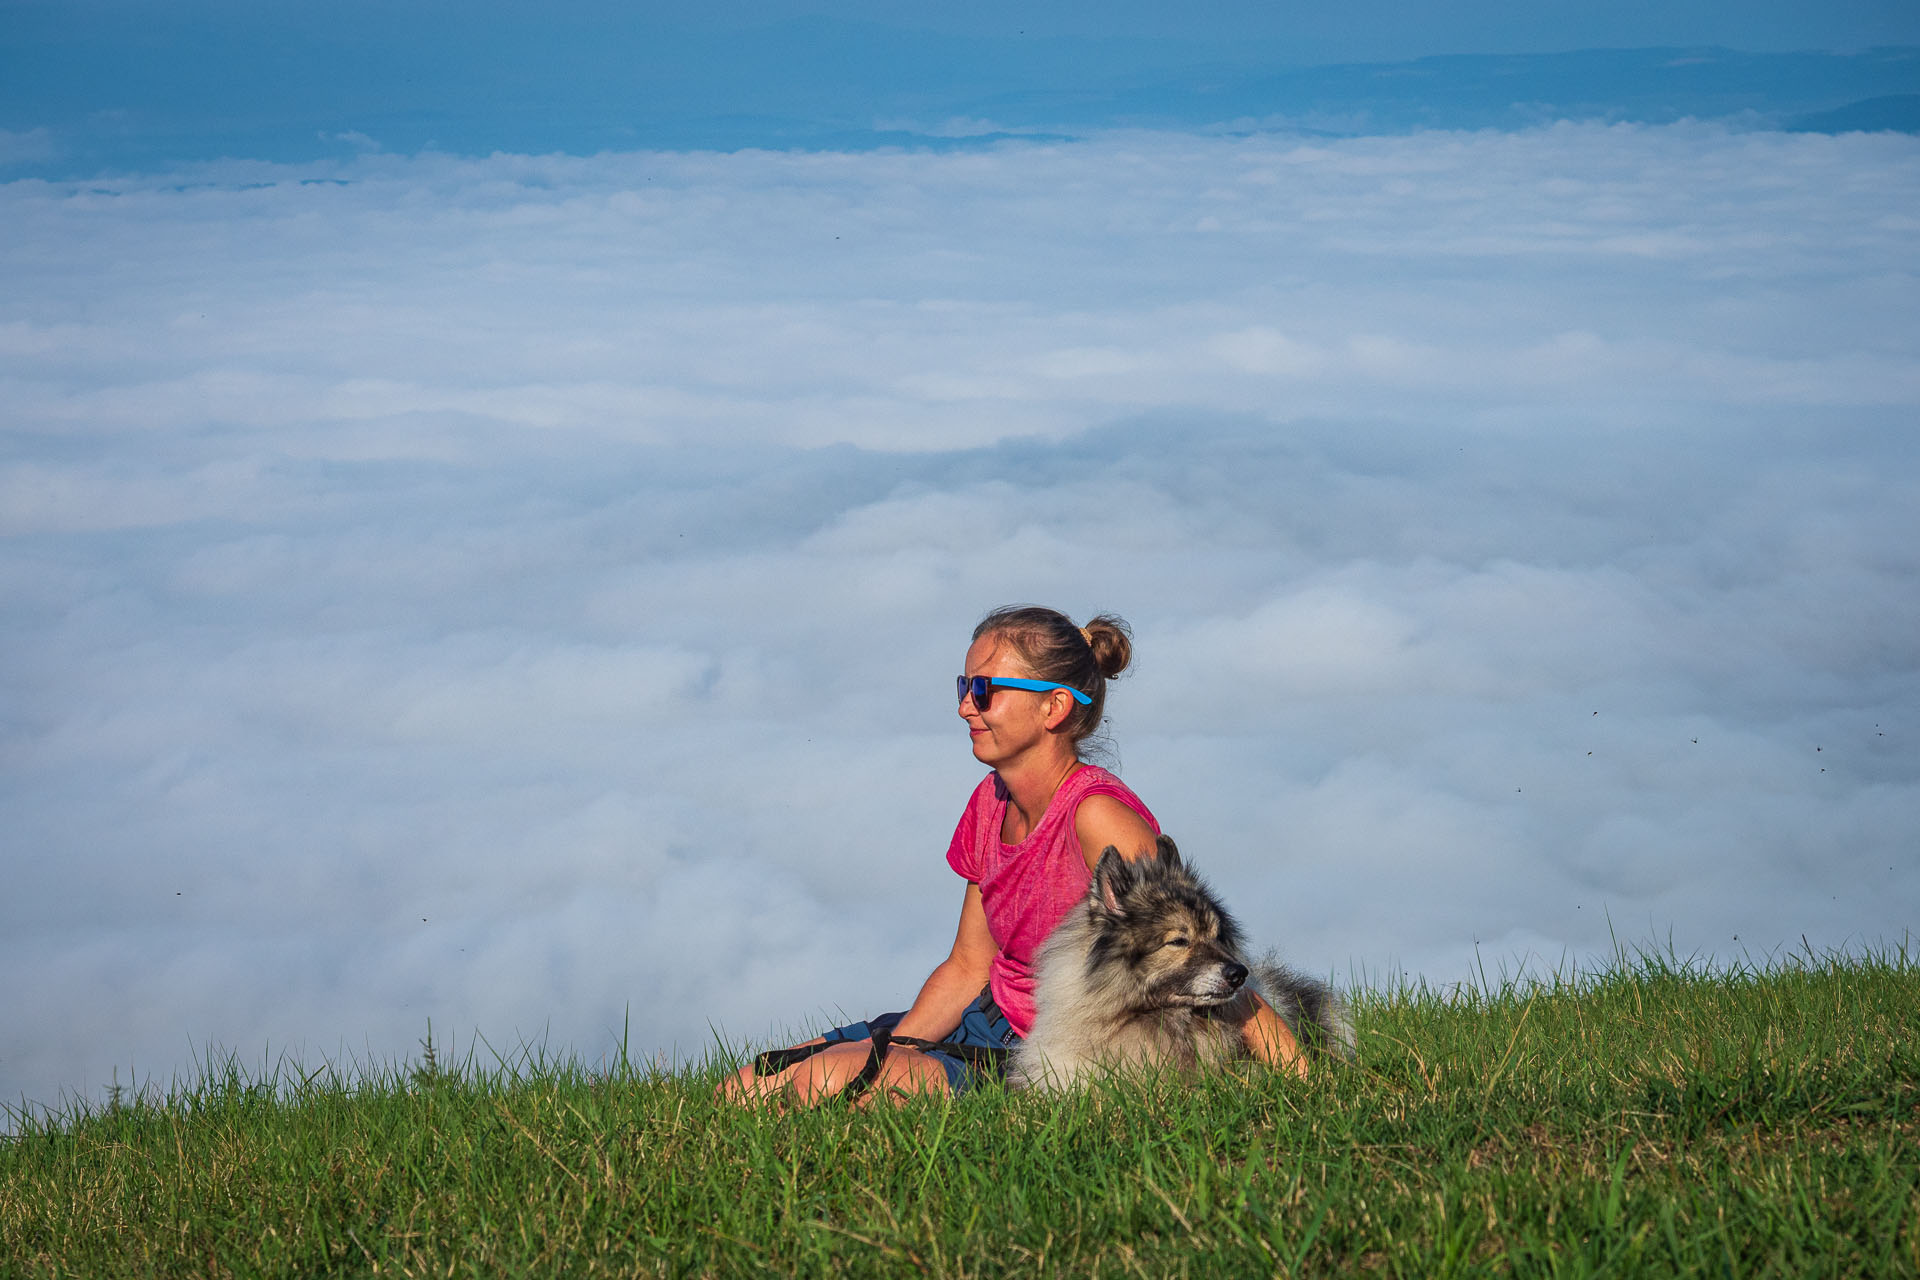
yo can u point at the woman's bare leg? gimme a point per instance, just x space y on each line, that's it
825 1074
747 1085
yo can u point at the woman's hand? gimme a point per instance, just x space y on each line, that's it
1270 1040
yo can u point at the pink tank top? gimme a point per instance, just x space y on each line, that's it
1028 888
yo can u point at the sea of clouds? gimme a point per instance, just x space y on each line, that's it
524 592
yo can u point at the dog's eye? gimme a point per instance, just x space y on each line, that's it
1175 941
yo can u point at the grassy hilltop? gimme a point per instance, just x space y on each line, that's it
1657 1119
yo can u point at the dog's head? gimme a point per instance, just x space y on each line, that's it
1158 923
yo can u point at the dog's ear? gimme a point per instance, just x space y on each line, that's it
1169 852
1113 879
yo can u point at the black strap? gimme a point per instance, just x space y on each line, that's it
883 1041
774 1061
973 1055
876 1059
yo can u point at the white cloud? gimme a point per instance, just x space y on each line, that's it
522 592
25 146
353 138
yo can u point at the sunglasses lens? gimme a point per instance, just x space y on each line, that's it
978 687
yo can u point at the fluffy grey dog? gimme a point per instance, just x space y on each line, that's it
1148 972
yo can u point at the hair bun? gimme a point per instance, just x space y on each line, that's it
1111 640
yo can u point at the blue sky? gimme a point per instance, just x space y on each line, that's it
87 87
522 590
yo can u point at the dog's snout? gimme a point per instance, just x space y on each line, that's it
1235 974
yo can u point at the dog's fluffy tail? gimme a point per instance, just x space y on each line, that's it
1315 1013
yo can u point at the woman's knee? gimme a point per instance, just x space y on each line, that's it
827 1074
740 1086
831 1070
823 1074
748 1084
909 1071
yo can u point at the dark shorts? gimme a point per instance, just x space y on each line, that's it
982 1026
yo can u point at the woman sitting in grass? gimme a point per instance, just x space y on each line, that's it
1033 691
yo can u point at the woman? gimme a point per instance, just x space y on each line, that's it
1032 692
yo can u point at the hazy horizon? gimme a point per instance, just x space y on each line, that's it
105 87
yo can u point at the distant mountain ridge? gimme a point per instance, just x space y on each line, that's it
75 102
1897 113
1652 86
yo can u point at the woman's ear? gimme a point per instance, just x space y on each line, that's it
1059 707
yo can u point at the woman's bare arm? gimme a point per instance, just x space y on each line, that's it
1270 1040
1104 820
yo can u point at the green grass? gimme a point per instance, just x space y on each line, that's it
1657 1119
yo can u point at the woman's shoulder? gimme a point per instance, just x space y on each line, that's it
1111 814
1091 780
1103 806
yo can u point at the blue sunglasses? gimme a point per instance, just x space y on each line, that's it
980 689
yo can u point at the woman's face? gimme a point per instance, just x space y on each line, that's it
1016 720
